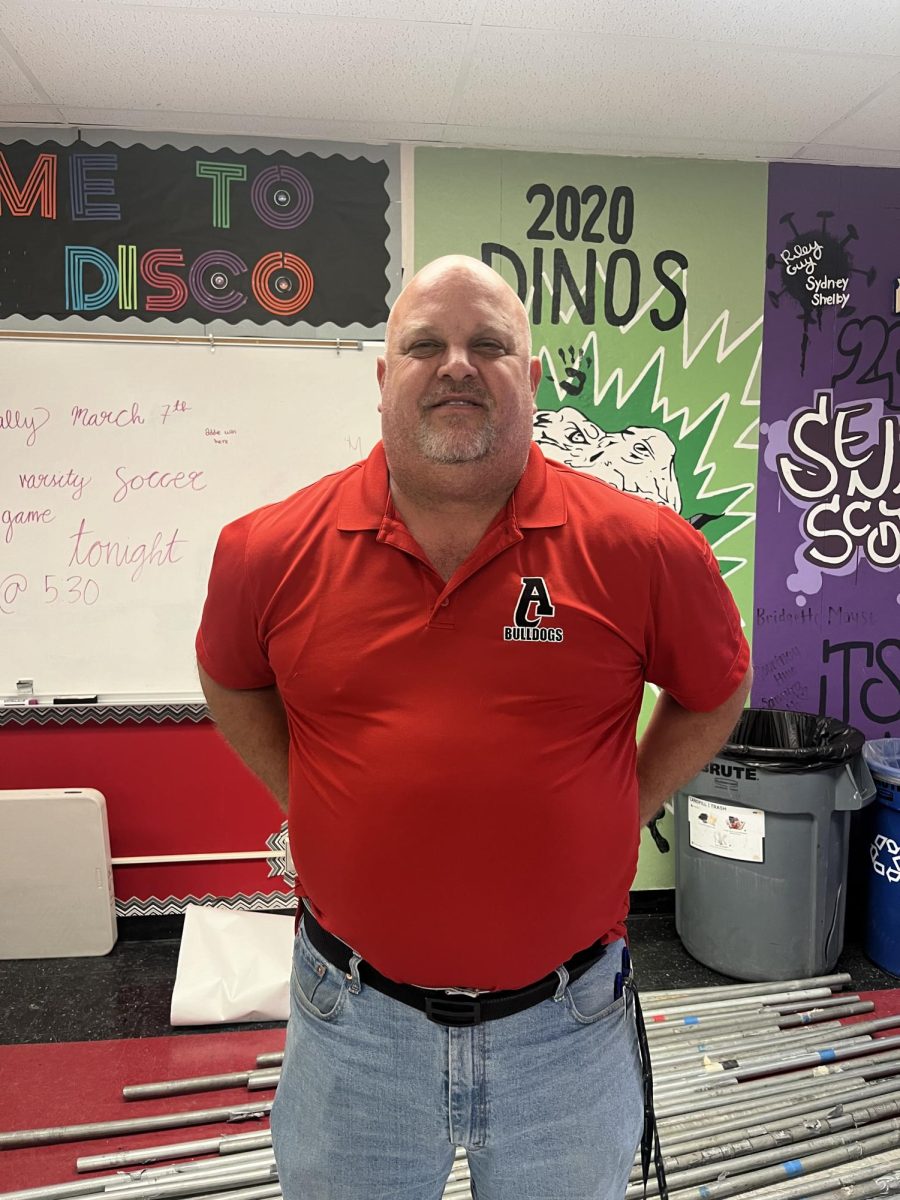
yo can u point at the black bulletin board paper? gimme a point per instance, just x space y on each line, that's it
162 233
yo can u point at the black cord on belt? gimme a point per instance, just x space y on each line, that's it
650 1136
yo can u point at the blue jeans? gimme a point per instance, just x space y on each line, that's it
375 1098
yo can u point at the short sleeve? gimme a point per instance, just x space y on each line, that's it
228 643
696 649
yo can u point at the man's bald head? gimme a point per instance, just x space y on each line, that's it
453 269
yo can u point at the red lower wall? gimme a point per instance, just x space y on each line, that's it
170 788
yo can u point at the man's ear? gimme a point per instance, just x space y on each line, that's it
380 370
534 374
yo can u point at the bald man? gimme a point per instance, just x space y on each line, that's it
435 660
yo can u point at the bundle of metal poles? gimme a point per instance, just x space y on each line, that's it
760 1090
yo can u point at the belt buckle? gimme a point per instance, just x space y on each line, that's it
453 1012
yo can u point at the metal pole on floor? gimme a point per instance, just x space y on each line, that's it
726 990
235 1143
100 1129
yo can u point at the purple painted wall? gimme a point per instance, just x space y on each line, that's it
826 623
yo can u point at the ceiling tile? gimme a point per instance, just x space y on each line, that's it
303 7
425 11
872 26
200 61
876 125
15 86
688 91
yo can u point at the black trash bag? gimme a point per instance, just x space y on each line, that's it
779 740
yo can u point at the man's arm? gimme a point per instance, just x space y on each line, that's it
678 743
254 724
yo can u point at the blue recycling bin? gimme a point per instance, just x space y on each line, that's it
882 937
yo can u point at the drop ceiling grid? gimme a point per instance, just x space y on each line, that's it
869 27
202 61
739 79
693 90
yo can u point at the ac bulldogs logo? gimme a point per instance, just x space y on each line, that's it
532 606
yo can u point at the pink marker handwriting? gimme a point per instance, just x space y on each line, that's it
130 482
11 519
12 419
55 479
98 418
158 552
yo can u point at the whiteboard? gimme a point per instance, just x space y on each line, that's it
119 464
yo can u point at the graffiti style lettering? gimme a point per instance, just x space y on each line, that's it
572 215
579 213
871 349
632 287
675 291
562 273
876 695
620 291
801 258
84 183
862 488
39 186
222 176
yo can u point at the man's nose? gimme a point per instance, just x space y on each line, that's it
456 363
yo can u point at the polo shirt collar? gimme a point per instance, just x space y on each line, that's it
538 501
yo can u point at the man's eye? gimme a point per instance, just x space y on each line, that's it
423 347
489 348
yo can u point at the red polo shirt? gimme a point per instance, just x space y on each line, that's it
463 807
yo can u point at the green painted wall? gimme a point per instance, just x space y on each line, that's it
644 280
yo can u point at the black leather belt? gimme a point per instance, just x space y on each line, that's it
448 1008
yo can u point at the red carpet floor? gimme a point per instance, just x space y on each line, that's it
78 1082
71 1083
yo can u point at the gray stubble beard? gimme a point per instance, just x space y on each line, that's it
450 447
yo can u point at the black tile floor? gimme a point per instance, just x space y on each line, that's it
127 992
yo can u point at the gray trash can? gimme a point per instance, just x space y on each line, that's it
761 841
